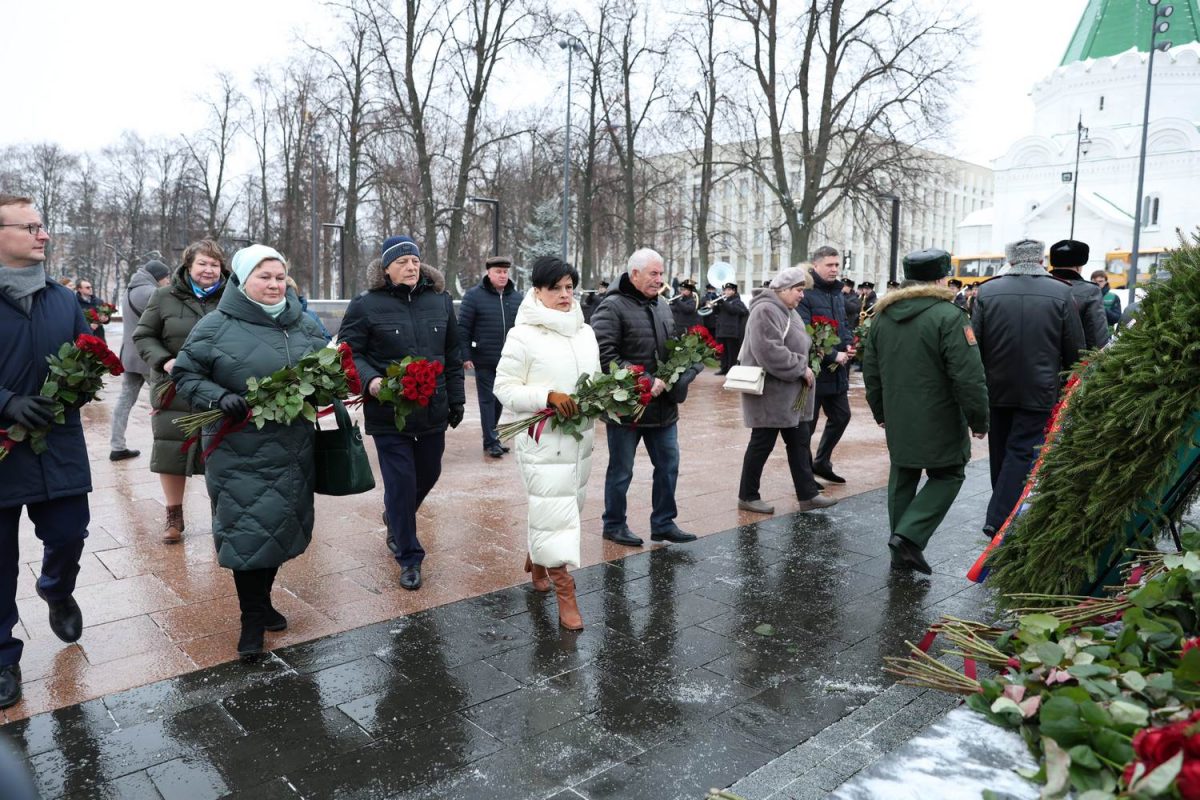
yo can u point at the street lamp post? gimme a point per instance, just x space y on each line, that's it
341 229
572 45
1082 143
1159 25
893 261
314 225
495 204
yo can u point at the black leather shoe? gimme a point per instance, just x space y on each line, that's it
410 577
10 685
906 555
505 449
989 532
828 474
623 536
496 451
66 620
673 535
274 621
121 455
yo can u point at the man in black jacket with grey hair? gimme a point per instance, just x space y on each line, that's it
632 326
1029 334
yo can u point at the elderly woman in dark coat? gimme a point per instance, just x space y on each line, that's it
173 310
260 481
777 341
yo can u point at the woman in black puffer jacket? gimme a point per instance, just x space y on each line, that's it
407 313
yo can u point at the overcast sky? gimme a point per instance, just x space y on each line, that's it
79 73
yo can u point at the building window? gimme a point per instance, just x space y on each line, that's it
1150 211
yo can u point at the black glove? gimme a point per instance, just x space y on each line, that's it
234 406
454 416
679 391
80 401
31 410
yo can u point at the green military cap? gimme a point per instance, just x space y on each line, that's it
927 265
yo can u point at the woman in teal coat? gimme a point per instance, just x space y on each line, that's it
260 481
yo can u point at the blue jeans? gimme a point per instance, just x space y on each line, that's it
61 524
410 467
489 406
663 446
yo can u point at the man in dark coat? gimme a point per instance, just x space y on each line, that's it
824 299
591 301
149 277
730 314
924 376
1067 259
683 308
1029 334
852 301
88 301
632 327
37 316
486 315
866 290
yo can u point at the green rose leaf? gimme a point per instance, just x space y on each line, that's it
1039 623
1049 653
1007 709
1148 596
1061 720
1128 713
1058 764
1084 756
765 629
1160 779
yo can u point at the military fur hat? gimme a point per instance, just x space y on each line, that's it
1026 251
1069 253
926 265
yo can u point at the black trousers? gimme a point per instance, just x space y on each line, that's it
837 417
1014 437
729 357
762 442
489 407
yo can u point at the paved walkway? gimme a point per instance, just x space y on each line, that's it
153 611
752 655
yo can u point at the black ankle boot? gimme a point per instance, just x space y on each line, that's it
253 591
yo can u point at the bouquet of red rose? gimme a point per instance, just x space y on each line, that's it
76 376
620 392
695 346
824 333
409 385
860 336
100 314
315 381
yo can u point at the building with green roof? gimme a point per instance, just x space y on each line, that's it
1111 27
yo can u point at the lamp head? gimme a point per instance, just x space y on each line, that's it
1165 11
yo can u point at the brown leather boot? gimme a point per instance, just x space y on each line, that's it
564 588
541 583
173 533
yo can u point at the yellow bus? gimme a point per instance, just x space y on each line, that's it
977 268
1116 263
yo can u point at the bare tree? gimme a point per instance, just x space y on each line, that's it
209 152
47 171
626 109
840 120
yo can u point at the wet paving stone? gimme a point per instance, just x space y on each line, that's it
698 665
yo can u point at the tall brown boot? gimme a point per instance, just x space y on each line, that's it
173 533
564 588
541 583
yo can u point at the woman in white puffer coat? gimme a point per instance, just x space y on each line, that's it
545 354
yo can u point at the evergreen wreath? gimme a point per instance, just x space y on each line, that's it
1138 402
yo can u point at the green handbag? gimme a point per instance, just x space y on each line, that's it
341 459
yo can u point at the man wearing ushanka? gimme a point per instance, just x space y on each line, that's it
926 387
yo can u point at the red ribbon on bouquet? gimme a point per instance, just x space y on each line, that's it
536 428
229 426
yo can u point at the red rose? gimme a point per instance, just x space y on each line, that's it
1190 644
1188 781
438 367
423 401
637 369
413 368
1127 775
645 398
720 348
1156 745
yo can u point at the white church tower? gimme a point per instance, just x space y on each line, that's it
1101 83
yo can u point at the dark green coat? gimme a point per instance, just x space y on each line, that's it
260 481
162 329
924 377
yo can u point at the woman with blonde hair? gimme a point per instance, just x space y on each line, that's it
777 341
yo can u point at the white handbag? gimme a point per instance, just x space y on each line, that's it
750 380
747 380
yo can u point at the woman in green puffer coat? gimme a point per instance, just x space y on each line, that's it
169 316
260 481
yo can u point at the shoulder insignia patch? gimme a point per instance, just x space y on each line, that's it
969 332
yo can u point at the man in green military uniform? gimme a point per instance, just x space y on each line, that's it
926 386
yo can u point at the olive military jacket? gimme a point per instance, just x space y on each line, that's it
924 377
